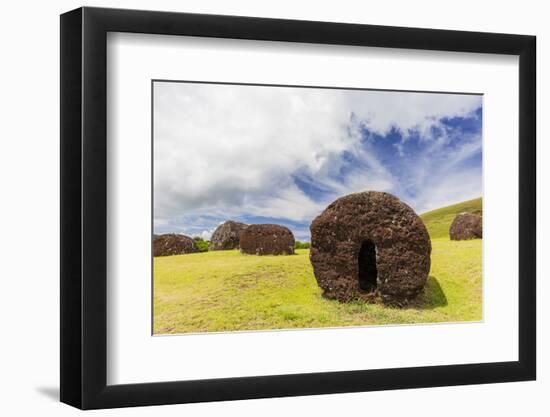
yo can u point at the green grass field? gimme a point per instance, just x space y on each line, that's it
227 291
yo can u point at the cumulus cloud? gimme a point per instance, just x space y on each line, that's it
229 151
221 145
206 234
410 112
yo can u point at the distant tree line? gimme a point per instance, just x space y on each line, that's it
302 245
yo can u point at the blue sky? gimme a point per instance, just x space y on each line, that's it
261 154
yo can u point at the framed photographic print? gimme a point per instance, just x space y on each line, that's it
257 207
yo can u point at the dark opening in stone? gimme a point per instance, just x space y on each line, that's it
398 249
367 266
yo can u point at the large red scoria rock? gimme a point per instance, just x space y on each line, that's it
173 244
227 236
370 244
466 226
267 239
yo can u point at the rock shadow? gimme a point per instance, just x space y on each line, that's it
431 297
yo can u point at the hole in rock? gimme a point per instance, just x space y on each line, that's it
367 271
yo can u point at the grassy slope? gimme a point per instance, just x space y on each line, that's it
438 221
225 290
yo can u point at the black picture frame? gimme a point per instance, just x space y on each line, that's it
84 207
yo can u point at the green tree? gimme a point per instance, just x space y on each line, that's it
202 245
301 245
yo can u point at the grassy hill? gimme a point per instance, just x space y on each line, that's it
438 221
228 291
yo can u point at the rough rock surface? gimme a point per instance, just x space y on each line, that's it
227 236
267 239
466 226
370 244
173 244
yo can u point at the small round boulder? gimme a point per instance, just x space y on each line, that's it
227 236
466 226
173 244
370 244
267 239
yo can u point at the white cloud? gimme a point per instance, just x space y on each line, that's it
206 234
216 145
411 111
455 187
226 150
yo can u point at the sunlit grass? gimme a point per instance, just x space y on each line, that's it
228 291
438 221
225 290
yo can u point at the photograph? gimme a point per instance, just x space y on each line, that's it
278 204
299 207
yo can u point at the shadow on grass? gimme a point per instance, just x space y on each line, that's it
432 296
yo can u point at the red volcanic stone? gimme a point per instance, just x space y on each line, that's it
173 244
370 244
227 236
466 226
267 239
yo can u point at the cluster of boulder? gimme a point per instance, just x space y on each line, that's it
466 226
363 246
256 239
